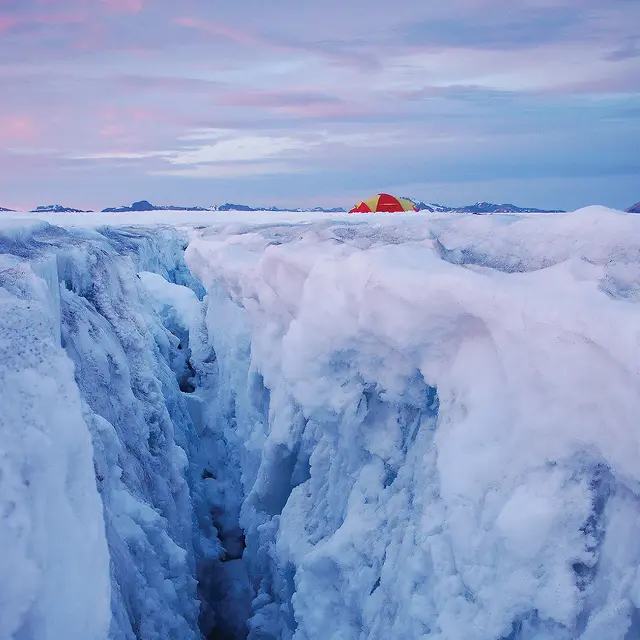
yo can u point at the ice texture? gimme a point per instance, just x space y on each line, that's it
410 426
100 490
437 420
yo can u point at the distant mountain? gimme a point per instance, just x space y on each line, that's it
480 207
430 206
5 209
56 208
634 209
229 206
489 207
145 205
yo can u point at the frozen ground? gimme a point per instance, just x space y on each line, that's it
412 426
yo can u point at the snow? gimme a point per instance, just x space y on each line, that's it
312 426
106 498
446 433
90 219
54 561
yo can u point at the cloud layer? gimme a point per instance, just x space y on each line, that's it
107 101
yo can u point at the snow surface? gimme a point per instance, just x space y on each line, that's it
437 423
319 427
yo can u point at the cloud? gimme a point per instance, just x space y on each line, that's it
119 155
308 104
12 21
239 148
551 68
501 29
341 53
18 128
124 6
235 170
164 83
355 52
619 82
277 98
7 22
232 153
221 147
630 49
239 36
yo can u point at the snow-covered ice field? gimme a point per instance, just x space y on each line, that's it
320 427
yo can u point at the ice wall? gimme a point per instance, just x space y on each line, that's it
104 515
54 562
436 423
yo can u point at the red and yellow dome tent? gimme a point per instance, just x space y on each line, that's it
383 202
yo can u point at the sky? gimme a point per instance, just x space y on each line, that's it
300 103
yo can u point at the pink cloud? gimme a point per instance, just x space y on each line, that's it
91 38
18 128
111 131
64 17
7 22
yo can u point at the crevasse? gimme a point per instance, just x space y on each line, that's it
109 528
406 429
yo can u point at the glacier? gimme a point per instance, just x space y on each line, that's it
310 427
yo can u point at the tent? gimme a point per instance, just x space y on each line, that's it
384 202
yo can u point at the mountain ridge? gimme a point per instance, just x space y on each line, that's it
228 206
145 205
58 208
480 207
634 209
